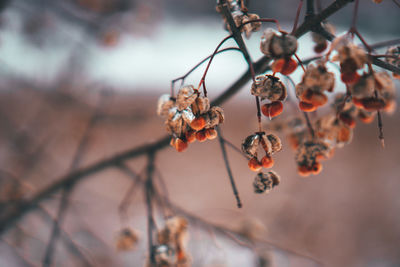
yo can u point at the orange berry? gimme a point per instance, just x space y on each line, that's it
267 162
390 106
201 136
372 103
319 48
316 168
254 164
396 76
284 66
307 107
211 133
198 124
272 109
303 170
190 136
350 77
366 118
180 145
347 119
344 134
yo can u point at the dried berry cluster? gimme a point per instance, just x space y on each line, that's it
264 182
189 117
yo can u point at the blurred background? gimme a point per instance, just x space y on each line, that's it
63 61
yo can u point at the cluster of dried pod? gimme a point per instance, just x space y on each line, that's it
189 117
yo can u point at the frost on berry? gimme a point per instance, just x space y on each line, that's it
264 182
278 45
269 87
315 82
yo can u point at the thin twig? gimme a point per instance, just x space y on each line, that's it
228 168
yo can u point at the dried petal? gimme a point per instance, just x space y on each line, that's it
250 145
165 103
269 87
186 96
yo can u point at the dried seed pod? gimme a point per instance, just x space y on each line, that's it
127 239
215 117
347 119
250 145
275 142
165 103
318 78
364 87
272 109
365 116
201 105
320 41
254 164
264 182
250 27
278 45
351 59
186 96
269 87
266 144
393 57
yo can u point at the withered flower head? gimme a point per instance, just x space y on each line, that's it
252 26
269 87
308 156
278 45
264 182
393 57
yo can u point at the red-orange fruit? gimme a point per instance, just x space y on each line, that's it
366 118
357 102
396 76
319 48
293 141
316 168
344 134
201 136
267 162
284 66
180 145
272 109
390 106
350 77
304 170
347 119
307 107
211 133
198 123
372 103
190 136
254 164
